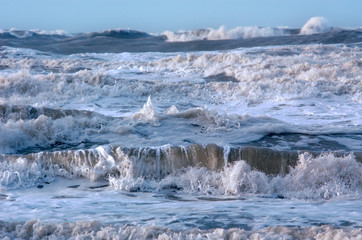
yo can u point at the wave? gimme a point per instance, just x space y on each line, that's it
307 178
182 36
315 71
152 163
316 30
26 34
315 25
27 129
41 34
35 229
204 170
222 34
120 33
228 70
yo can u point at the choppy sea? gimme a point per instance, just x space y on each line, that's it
248 133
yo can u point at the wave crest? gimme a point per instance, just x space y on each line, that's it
322 177
315 25
120 33
14 33
222 33
209 170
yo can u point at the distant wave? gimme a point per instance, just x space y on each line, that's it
112 33
14 33
312 26
315 25
222 33
315 30
120 33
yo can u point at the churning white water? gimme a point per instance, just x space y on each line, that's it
258 142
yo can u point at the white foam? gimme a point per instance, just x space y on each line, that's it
36 229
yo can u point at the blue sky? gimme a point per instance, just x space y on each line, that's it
155 16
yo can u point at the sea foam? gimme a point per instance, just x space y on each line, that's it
36 229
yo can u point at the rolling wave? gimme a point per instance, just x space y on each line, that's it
223 34
120 33
209 169
316 30
35 34
315 25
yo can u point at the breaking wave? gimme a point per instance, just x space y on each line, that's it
222 34
14 33
205 170
28 129
315 25
34 34
322 177
316 30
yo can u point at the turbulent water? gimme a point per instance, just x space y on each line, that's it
247 133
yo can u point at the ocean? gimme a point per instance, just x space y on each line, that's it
248 133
